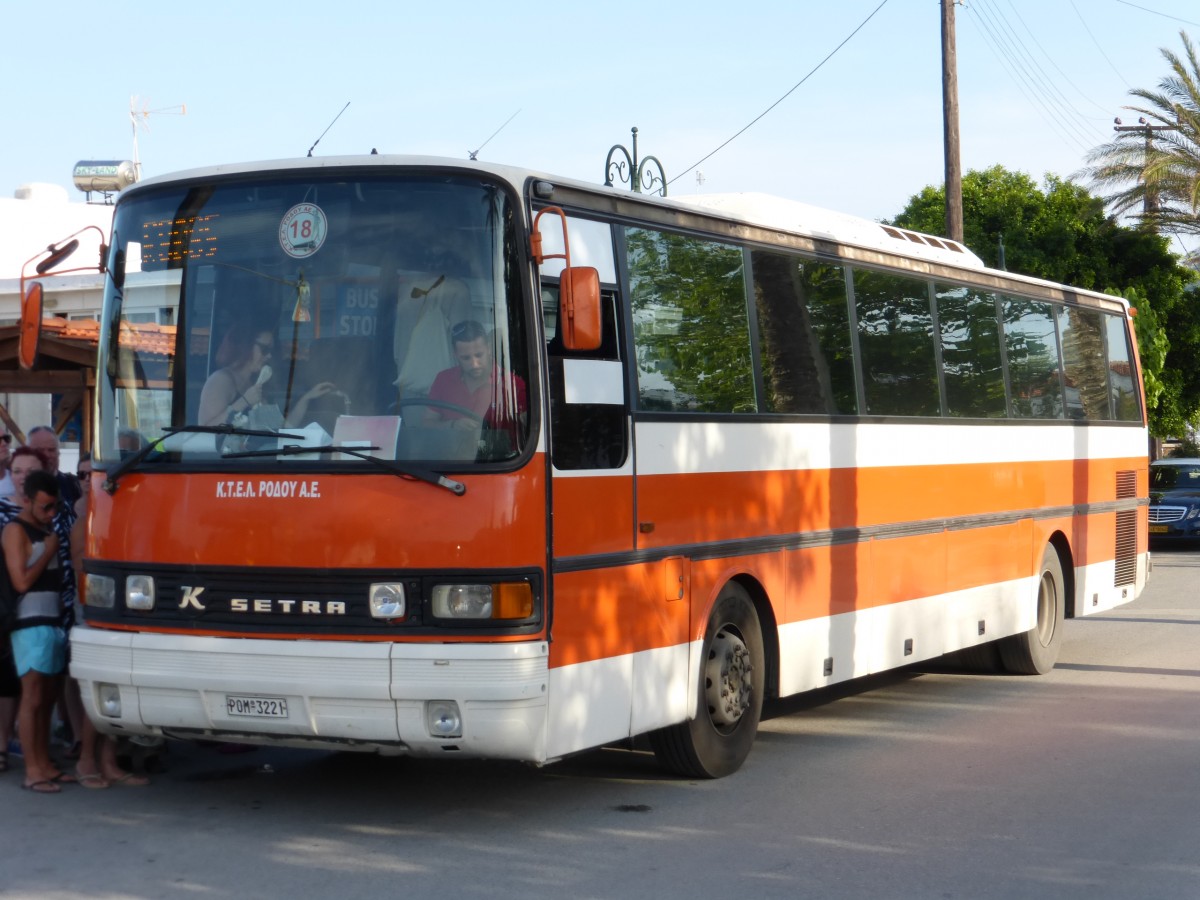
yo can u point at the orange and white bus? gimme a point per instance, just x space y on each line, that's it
729 448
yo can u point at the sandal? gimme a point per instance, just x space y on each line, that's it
45 786
129 780
92 780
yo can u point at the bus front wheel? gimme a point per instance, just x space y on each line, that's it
1036 651
732 677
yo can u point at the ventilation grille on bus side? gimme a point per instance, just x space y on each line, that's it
1126 485
1126 555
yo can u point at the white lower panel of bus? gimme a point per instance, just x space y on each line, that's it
343 695
886 637
607 700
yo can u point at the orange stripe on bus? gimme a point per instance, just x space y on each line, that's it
704 507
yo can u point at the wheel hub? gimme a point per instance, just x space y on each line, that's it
728 678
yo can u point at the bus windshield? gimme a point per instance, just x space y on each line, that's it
274 320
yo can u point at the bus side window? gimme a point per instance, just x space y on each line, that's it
586 435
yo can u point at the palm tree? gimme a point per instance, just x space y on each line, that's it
1157 166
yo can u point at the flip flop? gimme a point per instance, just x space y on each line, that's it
129 780
93 780
64 778
45 786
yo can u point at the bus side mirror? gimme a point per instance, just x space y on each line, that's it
30 333
579 321
579 308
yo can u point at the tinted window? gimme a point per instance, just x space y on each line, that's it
1124 398
1031 345
690 326
973 370
895 334
1084 366
1172 478
804 335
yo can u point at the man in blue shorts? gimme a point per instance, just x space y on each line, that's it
38 641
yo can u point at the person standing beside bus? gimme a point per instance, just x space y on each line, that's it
97 767
43 439
39 642
6 484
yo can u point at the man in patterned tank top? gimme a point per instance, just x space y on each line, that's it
38 640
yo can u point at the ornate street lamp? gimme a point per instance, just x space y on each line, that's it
640 176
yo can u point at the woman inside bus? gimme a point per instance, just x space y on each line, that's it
236 388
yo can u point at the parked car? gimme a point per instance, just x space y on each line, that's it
1175 499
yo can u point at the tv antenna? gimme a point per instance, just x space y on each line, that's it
327 127
474 154
140 118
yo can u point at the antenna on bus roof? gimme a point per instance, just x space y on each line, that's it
474 154
326 131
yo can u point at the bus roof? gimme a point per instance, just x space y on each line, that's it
815 222
756 209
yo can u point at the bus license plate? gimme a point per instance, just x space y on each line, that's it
257 707
1158 529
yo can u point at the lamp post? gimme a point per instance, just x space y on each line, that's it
640 176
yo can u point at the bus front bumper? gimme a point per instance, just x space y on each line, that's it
479 700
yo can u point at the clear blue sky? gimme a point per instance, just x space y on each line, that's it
262 79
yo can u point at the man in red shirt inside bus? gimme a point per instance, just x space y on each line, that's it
476 385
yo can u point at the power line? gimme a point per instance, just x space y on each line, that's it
1157 13
781 99
1097 43
1027 89
1057 67
1037 77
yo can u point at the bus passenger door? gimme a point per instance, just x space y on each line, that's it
591 687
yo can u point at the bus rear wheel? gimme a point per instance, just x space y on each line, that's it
729 704
1036 651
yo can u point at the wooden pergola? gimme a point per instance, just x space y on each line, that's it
66 365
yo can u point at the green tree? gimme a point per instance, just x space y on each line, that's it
1062 233
1154 172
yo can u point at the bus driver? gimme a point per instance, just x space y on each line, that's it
476 384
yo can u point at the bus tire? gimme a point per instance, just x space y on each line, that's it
732 679
1036 651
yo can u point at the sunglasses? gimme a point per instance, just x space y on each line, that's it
5 438
267 349
83 474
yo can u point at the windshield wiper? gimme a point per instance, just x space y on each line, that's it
110 481
402 471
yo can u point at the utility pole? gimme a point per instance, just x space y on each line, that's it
954 211
1150 197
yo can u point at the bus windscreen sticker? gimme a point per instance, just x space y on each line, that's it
303 230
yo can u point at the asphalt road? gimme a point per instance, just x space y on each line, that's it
927 784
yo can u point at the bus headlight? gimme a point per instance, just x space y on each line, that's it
507 600
139 592
100 591
387 601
